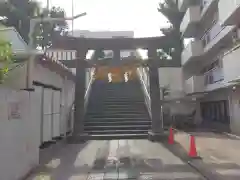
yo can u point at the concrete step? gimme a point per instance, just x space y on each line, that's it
132 131
116 111
116 136
118 102
121 107
117 119
144 115
116 127
128 107
114 123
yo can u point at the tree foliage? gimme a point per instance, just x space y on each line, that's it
169 8
5 58
45 31
19 12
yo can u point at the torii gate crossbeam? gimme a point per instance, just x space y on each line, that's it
82 45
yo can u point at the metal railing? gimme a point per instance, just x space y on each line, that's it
212 33
70 114
213 76
144 79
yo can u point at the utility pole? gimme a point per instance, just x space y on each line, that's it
48 5
72 16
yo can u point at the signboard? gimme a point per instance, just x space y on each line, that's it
14 110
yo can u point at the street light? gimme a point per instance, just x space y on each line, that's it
33 23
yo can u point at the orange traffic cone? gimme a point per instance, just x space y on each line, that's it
171 136
192 149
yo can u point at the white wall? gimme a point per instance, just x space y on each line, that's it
20 137
226 9
172 78
231 65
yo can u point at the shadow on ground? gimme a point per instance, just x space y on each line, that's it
212 171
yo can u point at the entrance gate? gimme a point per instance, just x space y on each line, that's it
82 45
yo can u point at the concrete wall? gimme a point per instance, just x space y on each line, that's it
215 96
18 150
231 65
171 77
20 115
234 101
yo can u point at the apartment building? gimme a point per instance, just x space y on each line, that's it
211 69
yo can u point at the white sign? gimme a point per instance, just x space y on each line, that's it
14 110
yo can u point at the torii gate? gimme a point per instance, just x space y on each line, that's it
82 45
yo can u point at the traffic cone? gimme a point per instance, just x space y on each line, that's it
171 136
192 149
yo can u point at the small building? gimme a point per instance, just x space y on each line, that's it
36 106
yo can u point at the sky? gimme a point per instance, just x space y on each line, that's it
140 16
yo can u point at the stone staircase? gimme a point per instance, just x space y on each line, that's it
116 111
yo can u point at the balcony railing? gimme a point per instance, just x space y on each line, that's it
190 20
192 50
207 6
212 33
194 84
213 76
216 36
183 5
229 12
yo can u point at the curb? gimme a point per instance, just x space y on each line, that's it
195 163
232 135
35 168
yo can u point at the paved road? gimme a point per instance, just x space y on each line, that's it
116 160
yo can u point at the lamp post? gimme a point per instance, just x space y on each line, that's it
33 23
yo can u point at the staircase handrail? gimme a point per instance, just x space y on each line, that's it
145 88
71 110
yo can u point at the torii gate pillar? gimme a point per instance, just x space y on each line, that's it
156 133
80 92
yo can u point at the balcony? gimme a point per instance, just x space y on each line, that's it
193 50
183 5
189 23
217 38
232 66
213 79
195 84
229 12
207 6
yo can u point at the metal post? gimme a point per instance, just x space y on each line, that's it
48 4
72 16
